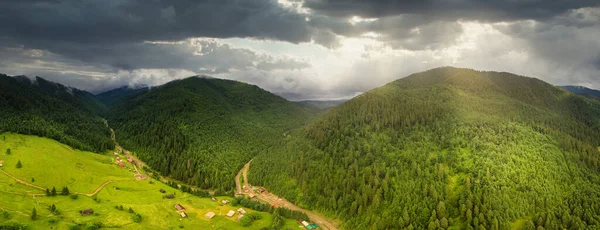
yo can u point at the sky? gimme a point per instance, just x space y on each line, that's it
299 49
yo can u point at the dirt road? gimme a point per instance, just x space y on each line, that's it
98 189
44 189
272 199
22 181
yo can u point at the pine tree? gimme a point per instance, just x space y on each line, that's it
131 210
53 191
48 192
19 165
33 214
65 191
8 152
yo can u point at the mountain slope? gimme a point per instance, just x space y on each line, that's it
49 109
202 130
447 147
582 91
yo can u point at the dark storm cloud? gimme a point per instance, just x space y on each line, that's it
154 39
483 10
137 20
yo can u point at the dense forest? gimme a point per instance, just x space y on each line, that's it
446 148
202 130
44 108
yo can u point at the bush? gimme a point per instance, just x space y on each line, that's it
74 196
245 221
6 215
52 221
13 224
137 218
93 226
74 226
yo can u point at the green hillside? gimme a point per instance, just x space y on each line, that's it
202 130
48 109
447 148
45 163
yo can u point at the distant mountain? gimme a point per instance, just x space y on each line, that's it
317 106
202 130
582 91
119 94
44 108
446 148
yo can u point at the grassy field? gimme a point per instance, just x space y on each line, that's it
50 163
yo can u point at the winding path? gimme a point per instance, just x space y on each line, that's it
44 189
22 181
273 199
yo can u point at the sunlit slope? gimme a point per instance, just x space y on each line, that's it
48 163
447 148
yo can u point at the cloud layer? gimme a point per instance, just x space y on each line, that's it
311 49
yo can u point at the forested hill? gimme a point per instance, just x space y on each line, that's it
44 108
202 130
582 91
447 147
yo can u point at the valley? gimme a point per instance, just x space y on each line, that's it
447 148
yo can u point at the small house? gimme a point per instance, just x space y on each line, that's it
312 226
209 215
170 196
179 207
86 212
121 165
213 199
262 190
230 213
240 217
184 215
305 223
130 160
162 190
115 153
225 201
242 211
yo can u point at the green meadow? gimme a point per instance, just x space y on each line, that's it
47 163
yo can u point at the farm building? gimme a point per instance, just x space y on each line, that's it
86 212
262 190
305 223
179 207
209 215
170 196
225 201
184 215
230 213
312 226
241 211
